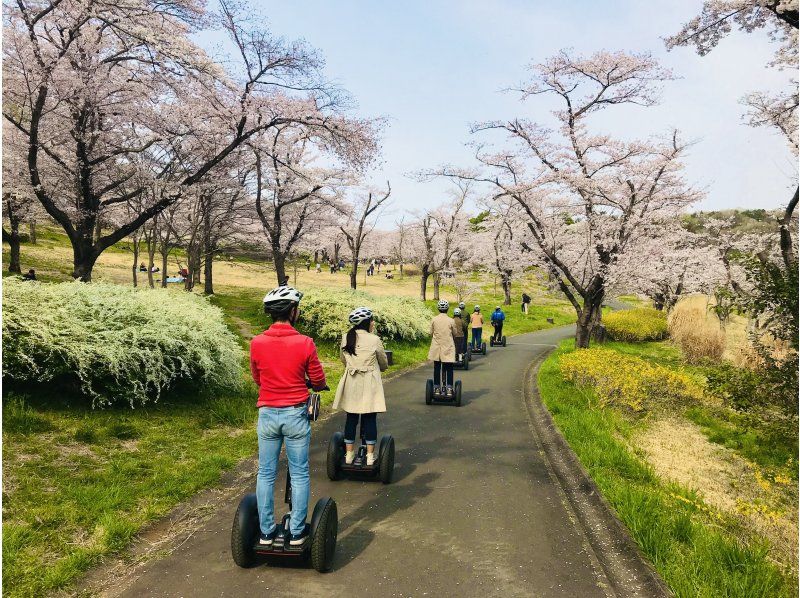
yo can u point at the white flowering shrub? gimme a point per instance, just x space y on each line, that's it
115 343
324 314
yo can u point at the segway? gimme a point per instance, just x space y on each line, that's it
480 350
382 468
463 359
438 394
500 343
320 545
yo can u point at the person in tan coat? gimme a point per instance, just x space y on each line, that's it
443 347
360 390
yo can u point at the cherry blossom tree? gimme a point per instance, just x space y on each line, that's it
360 224
585 196
91 86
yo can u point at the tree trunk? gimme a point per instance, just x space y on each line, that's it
354 274
336 248
401 269
423 282
32 231
280 264
436 281
589 318
164 257
12 238
135 269
507 289
208 274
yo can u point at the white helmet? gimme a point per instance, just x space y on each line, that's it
457 312
443 305
477 308
282 298
359 314
461 305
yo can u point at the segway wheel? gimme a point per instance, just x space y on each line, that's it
483 348
466 361
429 392
504 341
324 528
457 392
334 462
244 532
491 342
386 465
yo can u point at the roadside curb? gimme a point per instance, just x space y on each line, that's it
627 571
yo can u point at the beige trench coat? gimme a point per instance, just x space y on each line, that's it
443 330
360 390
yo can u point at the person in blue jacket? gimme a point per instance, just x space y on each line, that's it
497 321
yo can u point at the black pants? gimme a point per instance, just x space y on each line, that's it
461 345
498 331
369 427
438 366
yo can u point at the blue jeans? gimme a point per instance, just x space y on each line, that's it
369 426
476 337
275 425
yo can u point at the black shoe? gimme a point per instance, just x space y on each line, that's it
268 539
297 542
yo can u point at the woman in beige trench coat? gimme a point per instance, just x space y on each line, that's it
443 348
360 391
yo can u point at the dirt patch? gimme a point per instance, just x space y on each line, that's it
679 451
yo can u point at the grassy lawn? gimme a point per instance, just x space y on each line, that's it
699 550
79 483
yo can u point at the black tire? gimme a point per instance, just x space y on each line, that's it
491 342
483 348
504 341
245 532
466 362
429 392
324 529
457 392
335 456
386 463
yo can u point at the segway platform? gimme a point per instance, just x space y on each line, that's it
500 343
480 350
438 394
382 469
463 362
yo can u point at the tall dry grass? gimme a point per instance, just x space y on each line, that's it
697 332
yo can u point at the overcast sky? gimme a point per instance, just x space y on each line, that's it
433 67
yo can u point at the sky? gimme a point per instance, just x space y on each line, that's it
433 67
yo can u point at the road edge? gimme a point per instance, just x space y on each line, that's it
625 567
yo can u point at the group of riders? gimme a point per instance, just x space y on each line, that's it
285 364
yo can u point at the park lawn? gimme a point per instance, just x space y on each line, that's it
698 550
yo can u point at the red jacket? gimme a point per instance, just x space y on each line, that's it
281 359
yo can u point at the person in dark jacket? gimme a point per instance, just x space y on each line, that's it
526 301
498 317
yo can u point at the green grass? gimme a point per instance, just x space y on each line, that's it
695 550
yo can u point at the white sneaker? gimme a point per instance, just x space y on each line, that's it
371 458
349 456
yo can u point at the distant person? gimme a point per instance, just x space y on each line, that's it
464 319
360 390
142 267
341 264
497 319
285 281
319 268
476 322
459 335
526 300
443 349
155 269
29 275
333 267
308 266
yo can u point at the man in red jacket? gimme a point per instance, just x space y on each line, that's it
281 360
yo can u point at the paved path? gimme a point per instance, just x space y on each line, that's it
473 509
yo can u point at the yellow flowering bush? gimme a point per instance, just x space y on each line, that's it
636 325
628 381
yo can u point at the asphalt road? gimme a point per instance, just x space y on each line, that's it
473 509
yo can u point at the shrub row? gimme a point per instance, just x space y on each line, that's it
628 381
636 325
324 314
115 343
